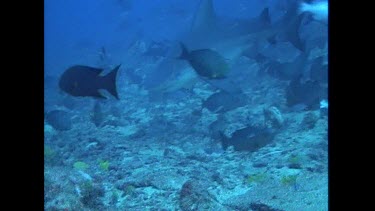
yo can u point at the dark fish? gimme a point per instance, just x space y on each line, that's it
222 102
257 206
86 81
250 138
288 70
308 93
59 119
206 62
319 71
217 126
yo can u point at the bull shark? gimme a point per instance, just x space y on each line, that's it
231 38
208 30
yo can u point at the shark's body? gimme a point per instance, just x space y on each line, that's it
208 31
230 38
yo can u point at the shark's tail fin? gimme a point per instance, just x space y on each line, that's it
110 82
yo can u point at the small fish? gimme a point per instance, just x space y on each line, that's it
59 120
288 70
84 81
250 138
206 62
308 93
222 102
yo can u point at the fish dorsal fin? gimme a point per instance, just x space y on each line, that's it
293 33
184 52
98 71
87 68
99 95
264 16
205 18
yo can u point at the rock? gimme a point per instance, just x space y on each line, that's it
217 178
166 180
198 157
193 196
91 194
262 207
273 117
172 152
309 120
323 108
245 203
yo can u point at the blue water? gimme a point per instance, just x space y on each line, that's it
165 144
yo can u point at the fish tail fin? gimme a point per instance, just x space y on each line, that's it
110 82
184 52
264 16
290 24
293 33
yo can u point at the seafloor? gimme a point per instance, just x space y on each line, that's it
161 156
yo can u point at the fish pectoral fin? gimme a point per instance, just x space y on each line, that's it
99 95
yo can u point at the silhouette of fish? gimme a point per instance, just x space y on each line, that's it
319 71
206 62
308 93
59 120
288 70
84 81
207 28
222 102
250 138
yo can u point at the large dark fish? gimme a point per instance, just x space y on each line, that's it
319 71
308 93
59 120
288 70
206 62
222 102
250 138
86 81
